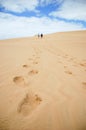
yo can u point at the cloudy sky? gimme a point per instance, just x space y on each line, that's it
22 18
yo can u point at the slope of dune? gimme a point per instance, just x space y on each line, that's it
43 82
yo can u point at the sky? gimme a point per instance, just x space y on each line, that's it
23 18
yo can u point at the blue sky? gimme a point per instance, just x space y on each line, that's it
22 18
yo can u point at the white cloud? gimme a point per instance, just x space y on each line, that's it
71 9
19 5
46 2
13 26
22 5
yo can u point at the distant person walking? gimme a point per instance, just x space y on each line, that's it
38 35
41 35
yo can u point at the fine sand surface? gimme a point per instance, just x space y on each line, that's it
43 82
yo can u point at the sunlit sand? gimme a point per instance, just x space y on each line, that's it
43 82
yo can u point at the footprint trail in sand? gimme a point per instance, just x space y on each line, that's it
30 101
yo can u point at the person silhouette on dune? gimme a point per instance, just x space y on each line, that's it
41 35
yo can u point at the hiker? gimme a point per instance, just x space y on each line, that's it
41 35
38 35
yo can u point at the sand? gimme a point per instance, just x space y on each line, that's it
43 82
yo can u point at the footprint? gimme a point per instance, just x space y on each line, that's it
33 55
65 66
68 72
25 66
37 57
35 62
32 72
71 59
64 56
84 85
30 59
19 80
82 64
59 61
28 104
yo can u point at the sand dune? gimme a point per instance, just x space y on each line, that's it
43 82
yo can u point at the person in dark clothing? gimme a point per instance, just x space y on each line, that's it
41 35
